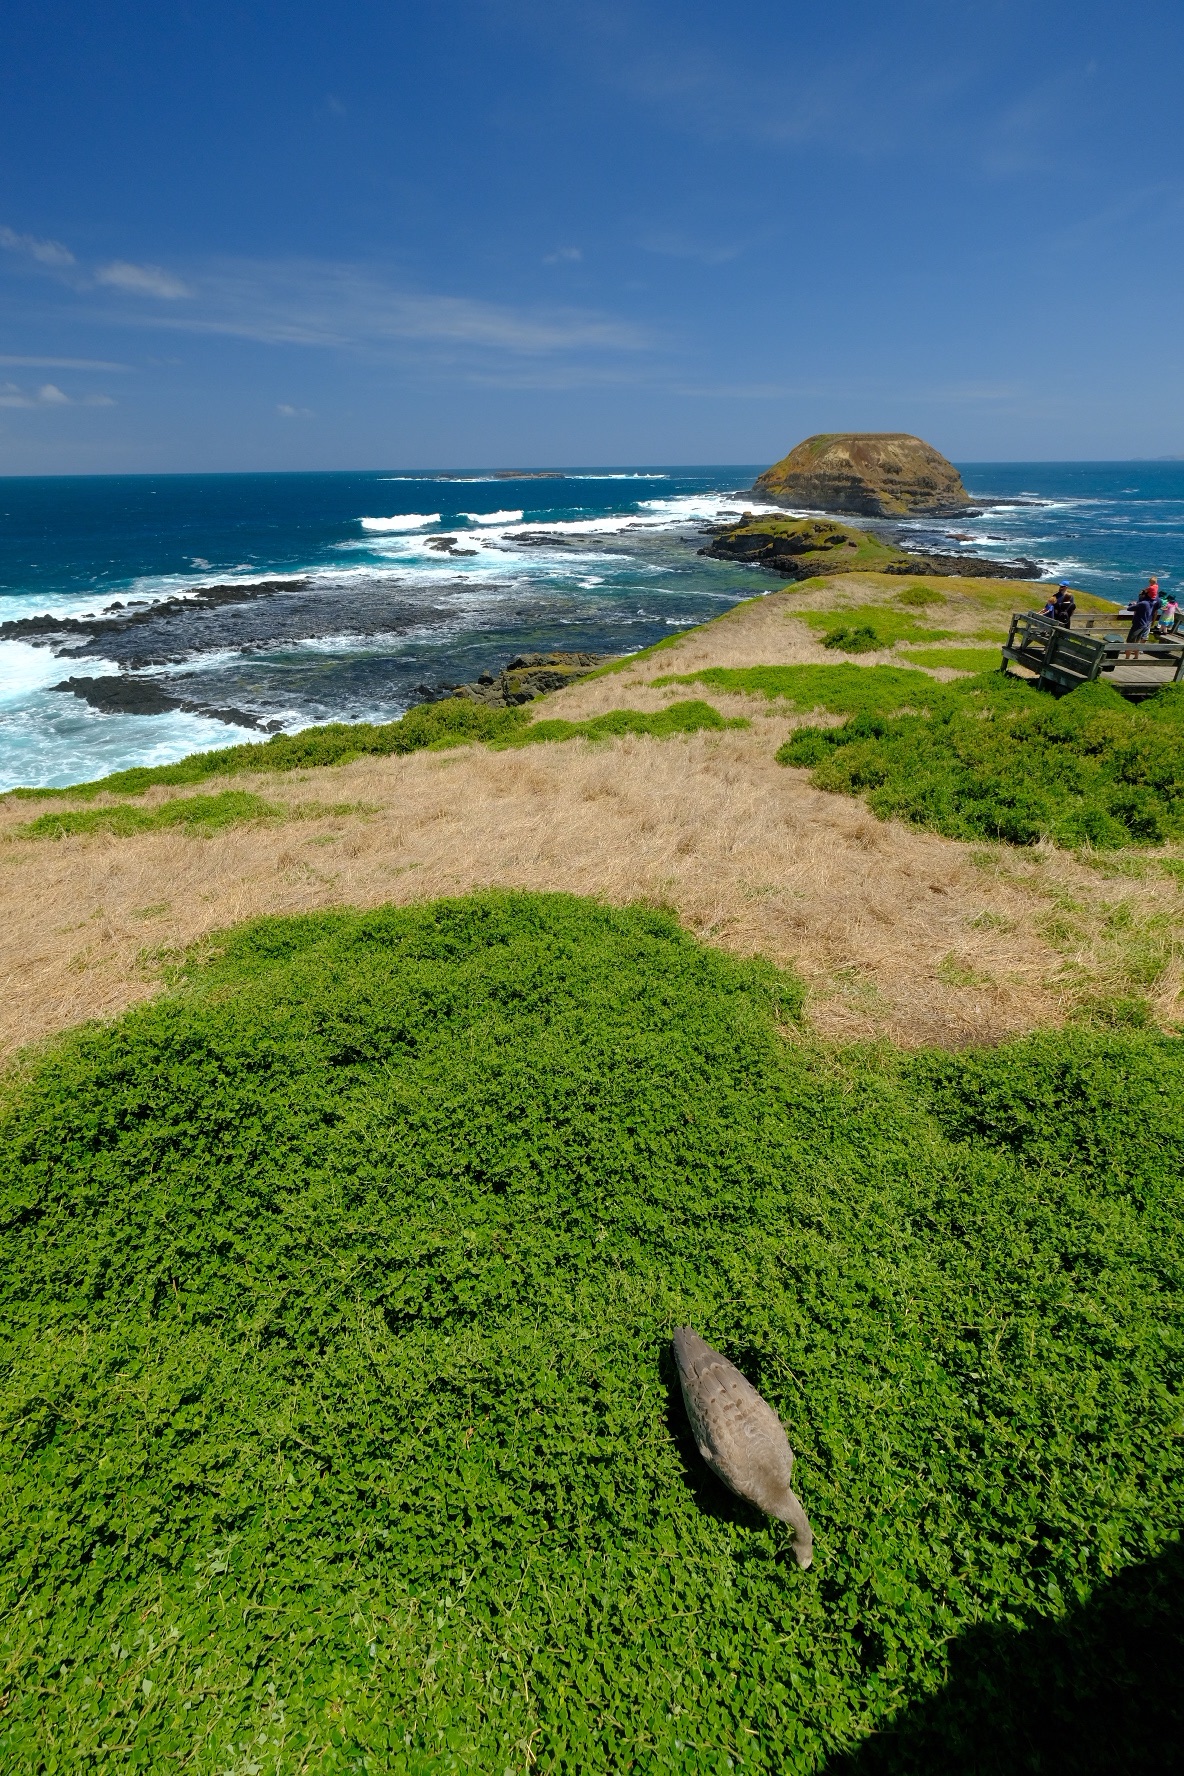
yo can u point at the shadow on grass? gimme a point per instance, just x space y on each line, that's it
1100 1693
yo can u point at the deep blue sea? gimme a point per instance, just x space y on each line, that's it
233 605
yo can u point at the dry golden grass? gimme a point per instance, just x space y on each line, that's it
897 933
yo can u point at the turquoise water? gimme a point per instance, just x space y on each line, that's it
279 600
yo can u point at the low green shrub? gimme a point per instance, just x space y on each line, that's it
1000 760
339 1430
690 717
197 814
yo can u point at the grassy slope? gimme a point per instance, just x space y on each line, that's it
987 756
340 1431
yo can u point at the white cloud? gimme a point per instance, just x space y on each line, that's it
287 412
46 252
142 280
48 395
564 256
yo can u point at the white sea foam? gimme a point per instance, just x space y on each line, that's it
707 506
492 517
56 740
25 669
404 521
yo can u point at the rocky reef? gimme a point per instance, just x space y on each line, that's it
878 474
805 548
528 676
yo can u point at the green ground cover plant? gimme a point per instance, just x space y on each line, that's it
919 596
962 659
431 726
843 690
690 717
999 759
195 814
339 1428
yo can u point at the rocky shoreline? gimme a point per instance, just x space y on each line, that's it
119 695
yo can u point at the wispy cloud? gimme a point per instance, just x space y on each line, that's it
335 305
287 412
1029 135
60 363
699 81
45 252
563 256
674 243
142 280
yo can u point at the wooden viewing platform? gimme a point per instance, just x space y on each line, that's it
1094 648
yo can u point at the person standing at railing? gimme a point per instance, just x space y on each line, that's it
1062 606
1143 613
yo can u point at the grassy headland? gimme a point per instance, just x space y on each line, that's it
897 930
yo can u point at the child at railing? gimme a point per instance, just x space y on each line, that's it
1166 619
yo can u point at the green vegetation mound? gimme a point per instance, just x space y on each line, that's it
340 1426
677 718
195 814
433 726
996 759
844 690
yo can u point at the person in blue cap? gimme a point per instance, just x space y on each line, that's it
1062 606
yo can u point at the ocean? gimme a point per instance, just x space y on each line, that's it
193 611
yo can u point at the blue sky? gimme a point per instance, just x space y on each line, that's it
509 232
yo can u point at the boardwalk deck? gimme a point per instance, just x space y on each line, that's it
1094 648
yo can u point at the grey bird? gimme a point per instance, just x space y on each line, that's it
739 1435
